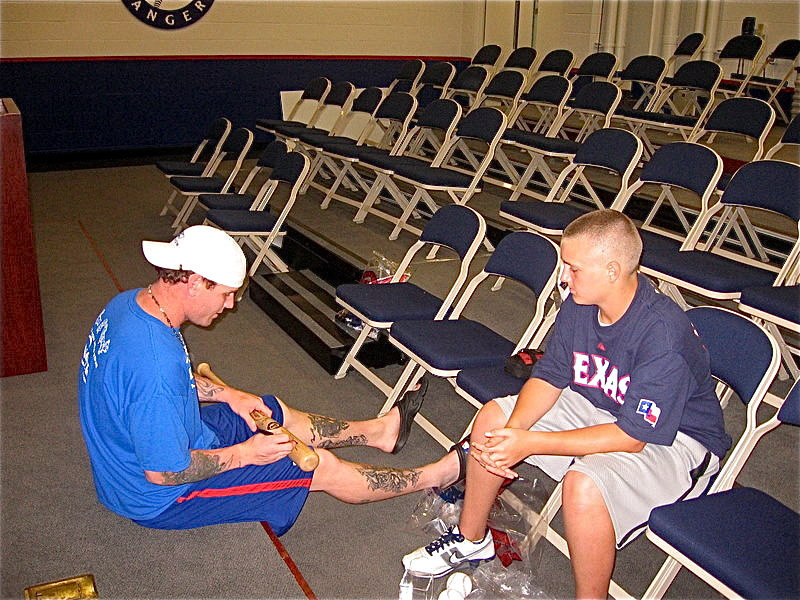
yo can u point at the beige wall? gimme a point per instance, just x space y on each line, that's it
57 28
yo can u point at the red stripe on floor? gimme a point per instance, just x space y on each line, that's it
100 256
298 576
242 490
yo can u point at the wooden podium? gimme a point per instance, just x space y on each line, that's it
23 347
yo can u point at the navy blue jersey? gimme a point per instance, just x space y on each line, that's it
649 369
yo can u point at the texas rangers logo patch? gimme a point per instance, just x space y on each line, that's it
168 14
649 410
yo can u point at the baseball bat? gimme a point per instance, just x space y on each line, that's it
303 456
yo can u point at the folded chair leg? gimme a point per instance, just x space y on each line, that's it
351 354
401 222
168 206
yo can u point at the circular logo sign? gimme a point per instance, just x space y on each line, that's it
168 14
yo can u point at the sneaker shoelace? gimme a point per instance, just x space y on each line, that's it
443 541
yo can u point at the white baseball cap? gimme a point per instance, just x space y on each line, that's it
206 250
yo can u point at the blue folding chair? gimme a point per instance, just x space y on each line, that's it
725 252
203 162
612 150
675 169
593 105
305 110
258 228
446 346
739 540
458 228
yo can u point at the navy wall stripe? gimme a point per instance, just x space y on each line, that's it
126 103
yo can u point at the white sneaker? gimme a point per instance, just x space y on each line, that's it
448 552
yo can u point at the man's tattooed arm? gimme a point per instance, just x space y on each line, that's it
203 464
207 391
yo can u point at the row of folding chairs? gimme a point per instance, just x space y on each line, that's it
439 340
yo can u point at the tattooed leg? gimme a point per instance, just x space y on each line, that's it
328 432
358 483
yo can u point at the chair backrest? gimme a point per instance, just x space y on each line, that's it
289 168
505 87
786 50
791 134
487 55
215 137
598 96
313 94
697 74
557 62
550 89
470 81
392 118
646 68
749 117
740 351
274 152
790 137
239 140
456 227
690 45
742 47
512 258
598 64
520 58
437 74
408 75
481 124
685 165
746 358
617 150
340 94
768 185
440 114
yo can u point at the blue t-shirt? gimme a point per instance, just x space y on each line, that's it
138 408
649 369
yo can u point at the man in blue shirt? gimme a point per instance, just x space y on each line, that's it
621 407
161 460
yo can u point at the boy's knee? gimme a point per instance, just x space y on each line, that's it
580 490
490 416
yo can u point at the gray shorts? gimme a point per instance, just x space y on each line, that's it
632 483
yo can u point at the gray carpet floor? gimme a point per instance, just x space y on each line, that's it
52 525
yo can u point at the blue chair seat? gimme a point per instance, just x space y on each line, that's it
652 242
435 176
177 167
548 215
742 536
395 163
272 123
707 270
296 130
389 302
486 383
198 185
656 117
781 301
242 220
336 144
541 142
453 345
229 201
